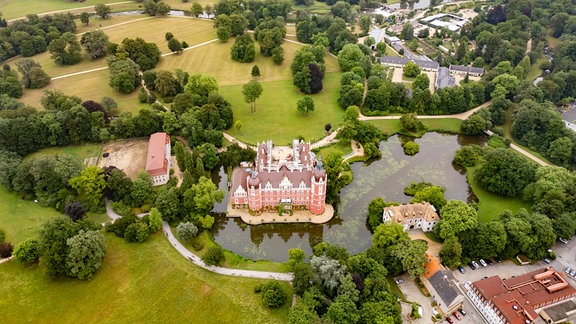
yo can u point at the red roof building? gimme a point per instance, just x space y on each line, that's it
158 159
281 176
515 300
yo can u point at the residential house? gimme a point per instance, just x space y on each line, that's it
420 215
158 158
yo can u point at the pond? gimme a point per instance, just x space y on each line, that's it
384 178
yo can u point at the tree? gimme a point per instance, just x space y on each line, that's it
95 43
6 250
200 199
451 252
456 217
273 294
102 10
53 244
66 49
412 255
421 82
560 151
407 32
33 77
27 251
432 194
141 189
137 232
375 213
168 204
468 155
295 256
305 104
411 123
201 86
175 46
303 278
118 184
86 252
327 272
124 75
213 256
243 49
349 56
252 91
504 172
186 231
255 73
388 234
411 69
166 84
89 185
411 148
196 9
85 18
364 22
277 55
146 55
75 210
223 34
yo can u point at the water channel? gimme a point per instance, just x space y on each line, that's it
384 178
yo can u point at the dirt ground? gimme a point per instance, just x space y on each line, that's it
127 155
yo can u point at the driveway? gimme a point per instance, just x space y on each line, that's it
413 294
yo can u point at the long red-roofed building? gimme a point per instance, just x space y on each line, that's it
516 300
291 177
158 159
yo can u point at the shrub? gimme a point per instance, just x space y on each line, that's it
120 225
6 250
2 236
411 148
27 251
273 295
213 256
137 232
186 231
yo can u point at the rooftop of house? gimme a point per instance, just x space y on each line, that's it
444 79
561 311
516 297
156 162
401 213
466 69
442 281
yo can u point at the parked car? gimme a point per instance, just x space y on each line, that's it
458 317
483 263
563 240
471 266
462 311
489 262
573 273
546 261
399 281
567 270
449 320
461 269
497 259
475 264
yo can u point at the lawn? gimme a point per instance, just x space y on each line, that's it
137 283
89 86
317 7
15 9
21 219
491 204
276 117
388 126
79 151
343 147
535 70
214 59
446 125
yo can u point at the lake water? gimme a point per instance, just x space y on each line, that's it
384 178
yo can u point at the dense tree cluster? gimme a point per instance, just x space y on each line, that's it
342 289
32 35
325 30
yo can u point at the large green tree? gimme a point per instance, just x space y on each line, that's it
456 217
33 76
95 43
252 91
504 172
85 255
89 185
66 49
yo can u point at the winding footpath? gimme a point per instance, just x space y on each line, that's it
197 261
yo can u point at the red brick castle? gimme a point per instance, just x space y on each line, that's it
289 178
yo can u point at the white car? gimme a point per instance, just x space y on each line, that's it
483 263
475 264
563 240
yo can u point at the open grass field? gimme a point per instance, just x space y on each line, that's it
19 8
21 219
214 59
490 204
79 151
342 146
137 283
180 5
89 86
317 7
276 116
535 70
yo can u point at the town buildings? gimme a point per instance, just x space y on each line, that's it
410 216
158 158
440 283
516 300
280 177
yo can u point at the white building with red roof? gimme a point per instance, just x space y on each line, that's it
158 159
289 177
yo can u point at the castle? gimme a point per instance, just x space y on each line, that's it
289 178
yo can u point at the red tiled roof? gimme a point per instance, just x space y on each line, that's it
156 162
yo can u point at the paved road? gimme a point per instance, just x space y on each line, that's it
461 116
523 151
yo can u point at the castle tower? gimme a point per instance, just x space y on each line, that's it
318 190
254 192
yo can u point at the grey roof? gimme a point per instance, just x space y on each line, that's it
466 68
442 283
376 34
427 64
403 60
444 79
559 312
397 46
391 39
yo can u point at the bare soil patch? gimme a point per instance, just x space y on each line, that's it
127 155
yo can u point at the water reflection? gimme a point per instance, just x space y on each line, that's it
385 178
